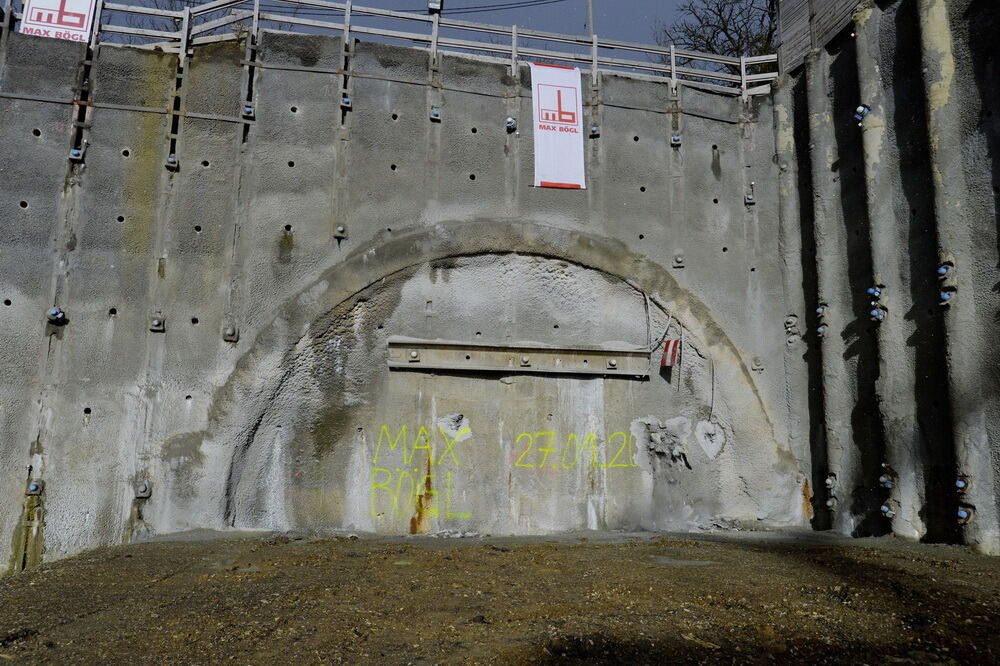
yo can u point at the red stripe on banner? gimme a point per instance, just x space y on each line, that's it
671 351
563 186
545 64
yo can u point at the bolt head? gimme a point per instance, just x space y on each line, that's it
414 354
525 359
157 322
961 483
945 296
613 363
340 229
942 270
963 514
33 487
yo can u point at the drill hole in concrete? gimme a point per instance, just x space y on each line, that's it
197 228
472 176
204 163
642 236
715 201
636 139
126 153
113 312
555 326
392 167
120 218
753 270
194 321
586 362
714 147
468 358
291 164
36 132
6 302
86 410
725 249
288 228
474 130
188 398
479 334
642 188
395 116
23 204
295 109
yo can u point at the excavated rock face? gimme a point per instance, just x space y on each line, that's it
340 439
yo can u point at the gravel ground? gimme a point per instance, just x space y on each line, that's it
576 599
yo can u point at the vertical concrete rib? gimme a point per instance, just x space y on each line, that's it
969 404
896 378
790 247
839 387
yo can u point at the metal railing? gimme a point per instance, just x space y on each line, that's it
222 20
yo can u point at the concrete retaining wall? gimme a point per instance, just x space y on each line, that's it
300 424
291 251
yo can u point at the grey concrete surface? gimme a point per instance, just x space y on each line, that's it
317 234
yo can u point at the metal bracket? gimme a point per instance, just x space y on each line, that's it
410 353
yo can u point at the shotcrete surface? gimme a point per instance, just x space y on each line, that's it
578 598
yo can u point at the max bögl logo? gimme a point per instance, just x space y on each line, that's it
557 104
65 19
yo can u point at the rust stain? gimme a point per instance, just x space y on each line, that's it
807 507
419 522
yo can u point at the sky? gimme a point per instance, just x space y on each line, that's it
627 20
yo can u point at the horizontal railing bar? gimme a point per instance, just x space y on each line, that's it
219 22
210 39
313 23
135 9
215 6
768 76
752 60
138 32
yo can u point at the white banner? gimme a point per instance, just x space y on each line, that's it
558 106
62 19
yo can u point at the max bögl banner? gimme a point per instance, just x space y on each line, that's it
62 19
558 126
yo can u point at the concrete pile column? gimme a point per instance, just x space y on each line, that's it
969 402
896 380
790 245
839 385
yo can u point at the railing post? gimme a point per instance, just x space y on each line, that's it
185 35
95 28
513 51
347 24
593 59
256 21
673 70
434 41
743 79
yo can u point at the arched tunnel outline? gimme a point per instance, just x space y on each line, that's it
347 280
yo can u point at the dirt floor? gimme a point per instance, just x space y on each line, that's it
577 599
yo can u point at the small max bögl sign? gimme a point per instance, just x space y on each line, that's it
558 109
61 19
